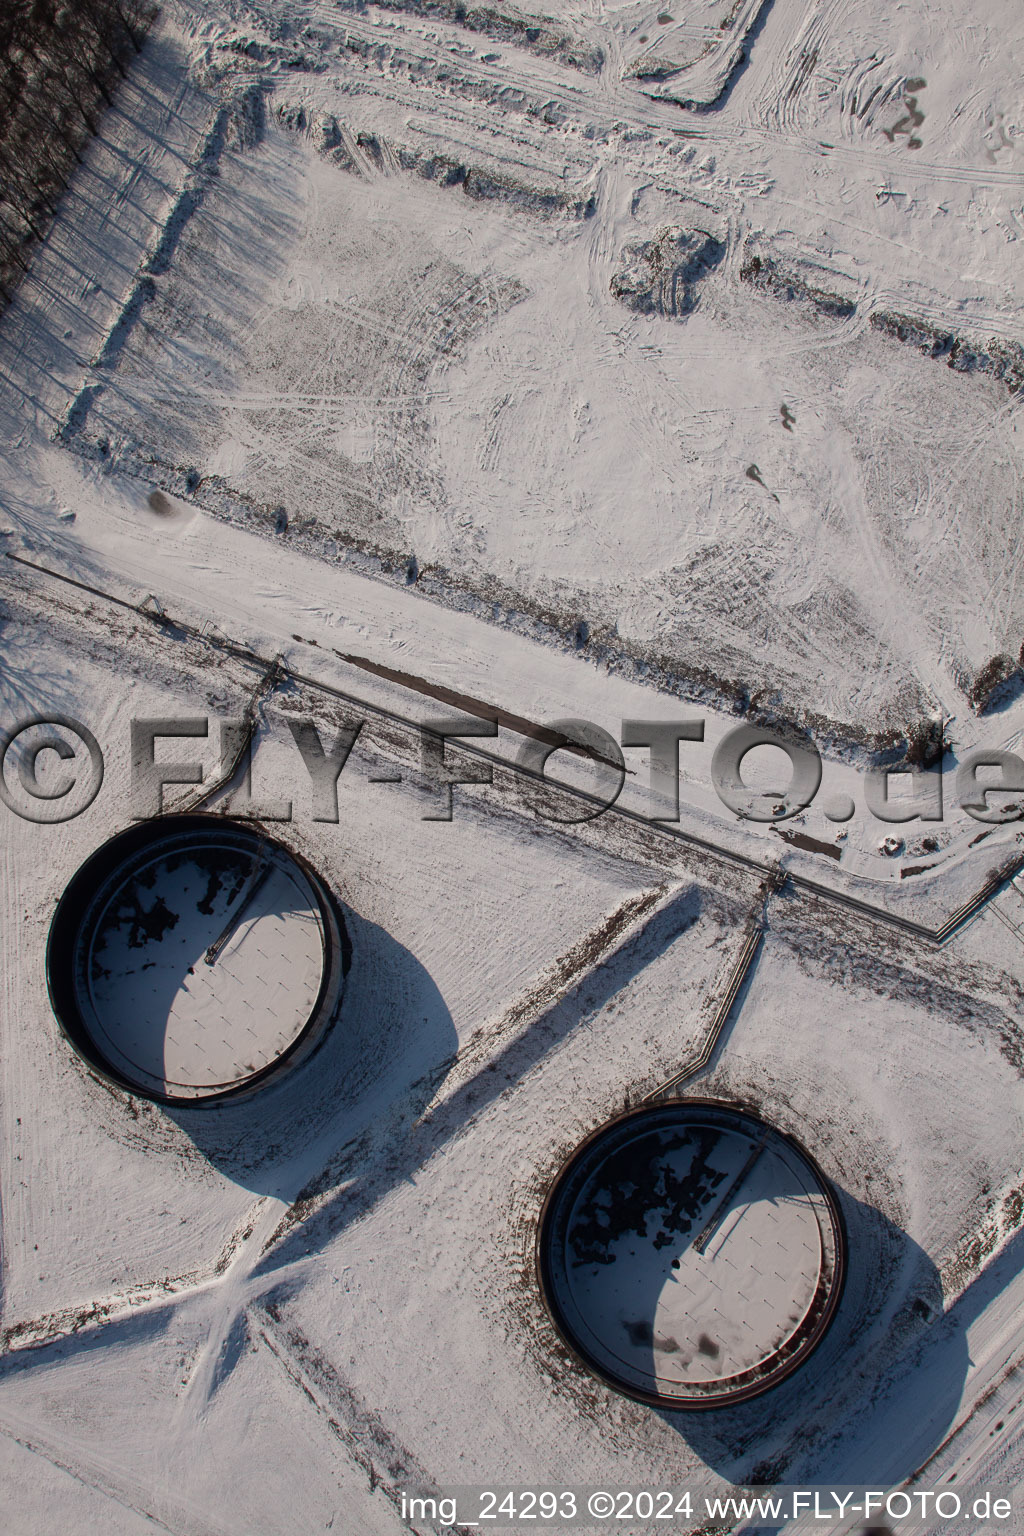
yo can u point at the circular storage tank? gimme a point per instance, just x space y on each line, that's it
191 957
690 1254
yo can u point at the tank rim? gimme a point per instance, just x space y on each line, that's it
724 1396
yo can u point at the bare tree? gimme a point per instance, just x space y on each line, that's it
59 60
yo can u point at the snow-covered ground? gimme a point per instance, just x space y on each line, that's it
390 361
